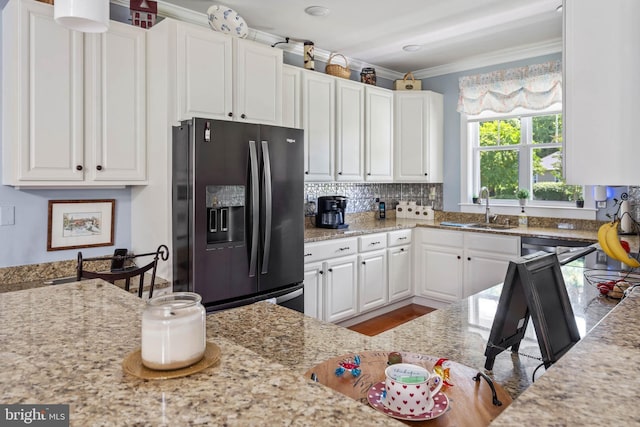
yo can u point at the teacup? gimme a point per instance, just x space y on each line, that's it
410 389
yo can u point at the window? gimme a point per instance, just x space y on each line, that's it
523 150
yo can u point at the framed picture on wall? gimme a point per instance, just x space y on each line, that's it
80 224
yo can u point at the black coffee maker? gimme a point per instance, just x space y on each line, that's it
331 212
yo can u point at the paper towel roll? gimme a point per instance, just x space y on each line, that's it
626 224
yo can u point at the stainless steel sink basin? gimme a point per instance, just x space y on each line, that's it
486 226
479 225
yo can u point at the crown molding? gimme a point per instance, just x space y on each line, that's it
168 10
493 58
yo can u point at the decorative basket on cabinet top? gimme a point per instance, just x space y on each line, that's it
406 84
338 70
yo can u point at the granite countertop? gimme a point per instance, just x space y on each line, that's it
65 344
372 225
266 348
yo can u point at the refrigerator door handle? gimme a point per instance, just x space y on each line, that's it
268 201
255 208
289 296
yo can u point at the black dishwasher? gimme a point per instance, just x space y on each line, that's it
532 245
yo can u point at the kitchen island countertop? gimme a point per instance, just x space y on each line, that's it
65 344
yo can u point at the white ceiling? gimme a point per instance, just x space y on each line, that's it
454 34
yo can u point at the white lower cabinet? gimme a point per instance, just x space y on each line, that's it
455 264
439 272
341 298
313 275
399 261
487 259
372 280
399 256
352 276
330 284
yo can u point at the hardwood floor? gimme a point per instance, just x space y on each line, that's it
390 320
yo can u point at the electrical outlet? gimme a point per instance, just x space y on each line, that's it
7 215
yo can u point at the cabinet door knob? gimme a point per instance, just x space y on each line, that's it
339 173
331 270
230 114
244 116
99 167
321 272
425 174
364 263
79 167
469 258
459 257
306 172
401 249
369 173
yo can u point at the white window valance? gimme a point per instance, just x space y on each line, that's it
534 87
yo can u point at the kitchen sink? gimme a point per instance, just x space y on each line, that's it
486 226
478 225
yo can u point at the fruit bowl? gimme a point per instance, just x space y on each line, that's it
611 284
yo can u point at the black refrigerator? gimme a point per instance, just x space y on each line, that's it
238 223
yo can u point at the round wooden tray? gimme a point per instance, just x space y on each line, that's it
471 401
132 364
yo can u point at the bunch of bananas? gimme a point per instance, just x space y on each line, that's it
611 245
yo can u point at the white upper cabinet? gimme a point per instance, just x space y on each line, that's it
291 96
73 104
226 78
115 104
349 131
601 89
318 122
204 72
257 94
378 134
418 142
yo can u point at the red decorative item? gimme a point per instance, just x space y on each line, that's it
439 369
625 245
143 13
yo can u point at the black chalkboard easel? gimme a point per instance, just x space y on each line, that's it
533 288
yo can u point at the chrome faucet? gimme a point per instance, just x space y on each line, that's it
487 210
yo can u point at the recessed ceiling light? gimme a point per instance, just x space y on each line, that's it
317 11
411 47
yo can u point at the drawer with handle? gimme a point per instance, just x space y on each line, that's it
372 242
399 237
319 251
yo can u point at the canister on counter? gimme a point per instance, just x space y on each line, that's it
368 76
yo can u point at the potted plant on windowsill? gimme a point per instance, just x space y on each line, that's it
475 199
579 202
522 195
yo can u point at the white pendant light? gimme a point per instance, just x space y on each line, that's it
88 16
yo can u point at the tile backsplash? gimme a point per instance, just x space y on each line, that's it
634 201
362 196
